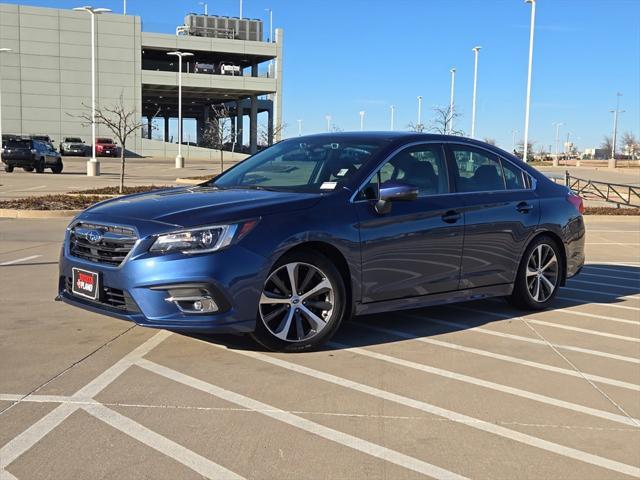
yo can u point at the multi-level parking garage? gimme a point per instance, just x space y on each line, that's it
46 79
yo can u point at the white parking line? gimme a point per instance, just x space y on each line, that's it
444 413
550 324
634 274
499 356
19 260
624 287
635 244
336 436
195 462
610 277
464 326
598 292
600 304
573 311
594 412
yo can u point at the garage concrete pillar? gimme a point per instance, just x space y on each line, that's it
253 125
166 129
149 127
270 126
239 126
254 69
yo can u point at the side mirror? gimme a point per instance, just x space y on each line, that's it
393 191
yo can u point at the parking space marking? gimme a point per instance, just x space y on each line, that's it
613 243
575 280
601 304
594 412
441 412
499 356
195 462
596 267
550 324
583 273
604 294
19 260
464 326
342 438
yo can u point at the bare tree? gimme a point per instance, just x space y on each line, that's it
607 144
120 121
416 127
442 120
217 131
490 141
630 141
520 150
263 134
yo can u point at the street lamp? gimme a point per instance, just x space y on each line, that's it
475 50
93 166
2 50
299 128
180 55
124 7
270 24
393 117
555 160
614 137
240 9
453 83
528 100
206 7
419 125
361 112
328 119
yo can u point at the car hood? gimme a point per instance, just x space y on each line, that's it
194 206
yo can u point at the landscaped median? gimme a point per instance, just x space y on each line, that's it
72 203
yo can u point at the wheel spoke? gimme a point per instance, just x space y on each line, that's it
279 283
299 327
307 279
323 285
292 271
267 299
536 294
548 283
282 332
315 319
531 272
277 311
550 263
320 305
539 252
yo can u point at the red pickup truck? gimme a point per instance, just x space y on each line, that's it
105 147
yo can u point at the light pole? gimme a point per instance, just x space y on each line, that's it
451 104
361 113
2 50
299 128
393 117
328 119
124 7
556 158
528 100
270 24
240 9
93 166
614 137
206 7
475 50
180 55
419 125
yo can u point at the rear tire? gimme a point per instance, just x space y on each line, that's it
40 166
539 275
57 168
8 168
306 316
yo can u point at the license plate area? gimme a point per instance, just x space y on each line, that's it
85 283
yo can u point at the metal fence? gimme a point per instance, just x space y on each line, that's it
618 193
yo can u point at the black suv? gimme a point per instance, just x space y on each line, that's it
30 155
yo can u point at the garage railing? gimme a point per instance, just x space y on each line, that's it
618 193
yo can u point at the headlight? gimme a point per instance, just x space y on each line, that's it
202 239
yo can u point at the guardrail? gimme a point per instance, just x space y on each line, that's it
618 193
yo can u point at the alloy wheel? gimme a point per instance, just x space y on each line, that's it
297 302
542 273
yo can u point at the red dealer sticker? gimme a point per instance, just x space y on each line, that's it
85 283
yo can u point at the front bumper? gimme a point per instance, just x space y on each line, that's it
138 289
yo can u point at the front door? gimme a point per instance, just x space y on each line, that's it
416 248
501 214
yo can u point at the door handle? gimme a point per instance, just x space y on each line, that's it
451 216
524 207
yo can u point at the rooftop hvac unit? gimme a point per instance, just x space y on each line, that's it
224 27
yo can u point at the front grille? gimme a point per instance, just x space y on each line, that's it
112 246
110 297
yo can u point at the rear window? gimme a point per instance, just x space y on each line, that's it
104 140
73 140
19 144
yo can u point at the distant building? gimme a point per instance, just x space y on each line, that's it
595 154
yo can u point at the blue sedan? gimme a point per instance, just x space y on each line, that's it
296 239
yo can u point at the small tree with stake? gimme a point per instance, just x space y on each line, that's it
217 131
122 122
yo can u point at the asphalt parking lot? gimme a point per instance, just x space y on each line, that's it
477 390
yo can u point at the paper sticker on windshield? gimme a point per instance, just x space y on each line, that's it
328 185
342 172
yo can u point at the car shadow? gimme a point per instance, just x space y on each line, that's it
403 325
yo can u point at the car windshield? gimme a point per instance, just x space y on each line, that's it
18 144
73 140
305 165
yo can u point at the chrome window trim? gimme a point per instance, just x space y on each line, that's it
533 183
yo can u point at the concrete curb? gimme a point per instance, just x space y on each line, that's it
16 213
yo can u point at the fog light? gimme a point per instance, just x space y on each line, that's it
195 304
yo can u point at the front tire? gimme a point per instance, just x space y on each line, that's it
40 166
303 303
539 275
57 168
8 168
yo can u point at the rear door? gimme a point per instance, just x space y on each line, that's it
501 213
416 248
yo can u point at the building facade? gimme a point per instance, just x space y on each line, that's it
46 79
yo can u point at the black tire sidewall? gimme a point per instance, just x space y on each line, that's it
521 296
265 338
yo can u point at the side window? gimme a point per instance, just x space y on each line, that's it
422 166
513 177
478 171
